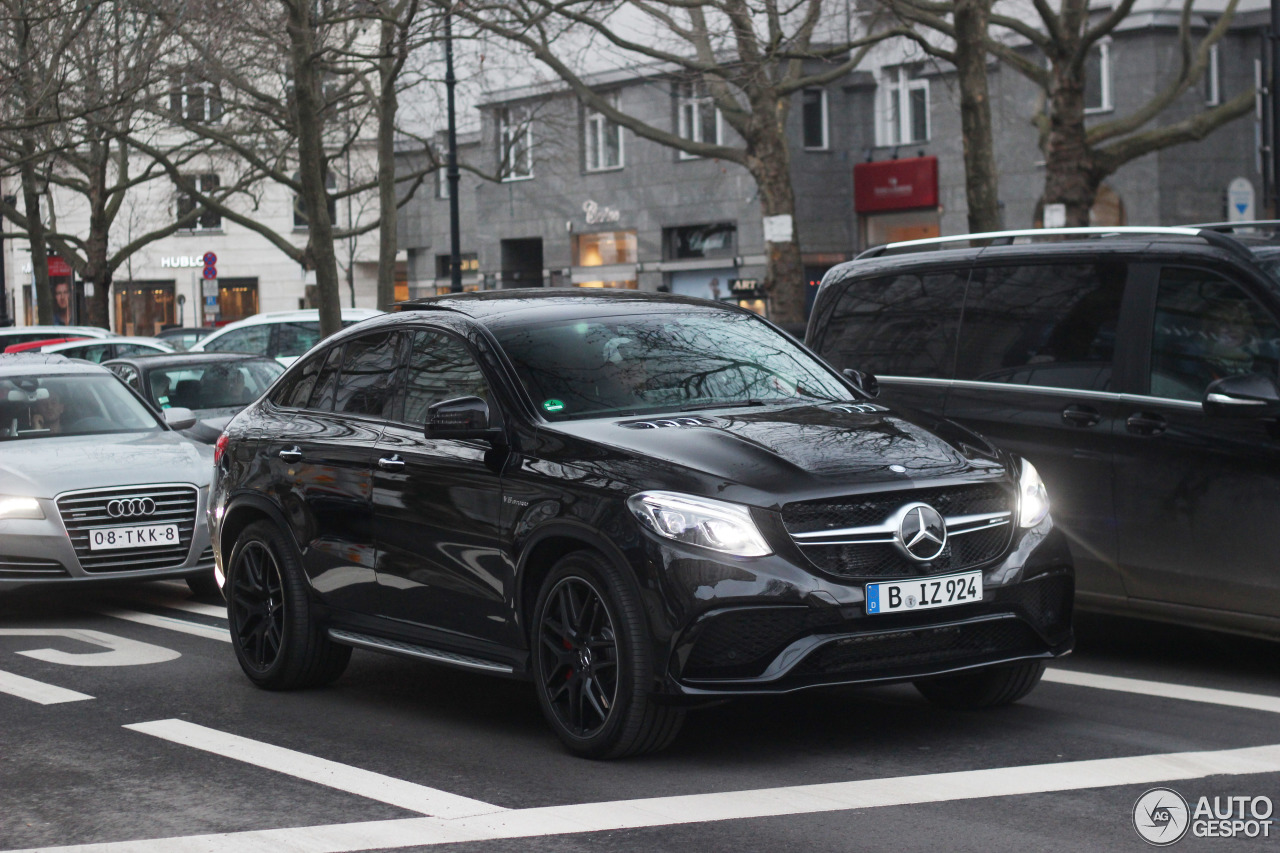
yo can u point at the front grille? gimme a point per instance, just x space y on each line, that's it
741 643
895 652
883 559
30 568
206 557
86 511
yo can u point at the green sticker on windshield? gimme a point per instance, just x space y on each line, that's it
553 405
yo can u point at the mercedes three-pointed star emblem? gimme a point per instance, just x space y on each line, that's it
922 533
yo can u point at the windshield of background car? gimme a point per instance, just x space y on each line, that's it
661 362
215 385
84 404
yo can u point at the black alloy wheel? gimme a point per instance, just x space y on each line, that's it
280 643
592 662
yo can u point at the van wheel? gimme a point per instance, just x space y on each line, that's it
277 639
989 687
592 662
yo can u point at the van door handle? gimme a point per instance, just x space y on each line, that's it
1144 423
1081 416
391 463
291 454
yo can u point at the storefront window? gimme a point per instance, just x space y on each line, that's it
623 285
691 242
605 249
144 307
237 299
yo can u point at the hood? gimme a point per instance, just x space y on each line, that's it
45 467
810 448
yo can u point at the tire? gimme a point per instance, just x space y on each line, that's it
277 638
989 687
203 585
593 662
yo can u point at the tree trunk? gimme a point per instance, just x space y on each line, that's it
388 104
980 176
36 240
1069 170
770 164
312 165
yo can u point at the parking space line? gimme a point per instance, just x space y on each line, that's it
197 607
1252 701
705 808
195 628
343 777
37 691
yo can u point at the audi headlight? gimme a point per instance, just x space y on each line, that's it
1033 498
717 525
19 507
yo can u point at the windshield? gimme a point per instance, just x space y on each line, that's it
662 362
213 385
84 404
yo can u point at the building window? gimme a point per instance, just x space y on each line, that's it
209 220
515 138
697 118
1097 78
195 100
905 110
604 249
1212 79
814 114
300 219
468 262
695 242
603 140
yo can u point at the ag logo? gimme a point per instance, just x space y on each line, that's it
1161 816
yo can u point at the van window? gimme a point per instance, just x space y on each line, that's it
1047 324
896 325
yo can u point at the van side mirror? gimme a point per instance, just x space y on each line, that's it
461 417
1248 395
863 381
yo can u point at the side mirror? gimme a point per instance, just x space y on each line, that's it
1249 395
863 381
179 418
462 417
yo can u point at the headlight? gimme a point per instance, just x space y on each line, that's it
20 508
717 525
1033 499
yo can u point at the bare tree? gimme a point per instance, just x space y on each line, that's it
747 59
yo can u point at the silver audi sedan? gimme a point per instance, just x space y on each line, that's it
94 484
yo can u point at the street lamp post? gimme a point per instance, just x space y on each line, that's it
455 234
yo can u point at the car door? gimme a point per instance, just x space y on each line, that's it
1035 374
1197 497
437 503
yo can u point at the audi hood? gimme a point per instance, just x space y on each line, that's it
47 467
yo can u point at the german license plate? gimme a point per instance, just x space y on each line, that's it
137 536
924 593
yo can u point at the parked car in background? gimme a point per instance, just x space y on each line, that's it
282 335
27 334
213 385
39 345
634 500
94 485
104 349
1137 370
182 338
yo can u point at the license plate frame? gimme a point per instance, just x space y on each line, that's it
923 593
134 536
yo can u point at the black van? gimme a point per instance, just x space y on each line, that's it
634 501
1136 368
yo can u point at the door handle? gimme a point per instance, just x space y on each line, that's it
291 454
1081 416
391 463
1144 423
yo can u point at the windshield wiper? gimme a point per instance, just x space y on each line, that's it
728 404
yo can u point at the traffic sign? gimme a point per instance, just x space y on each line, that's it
210 273
210 259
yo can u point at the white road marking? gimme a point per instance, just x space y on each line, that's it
189 606
1252 701
704 808
195 628
121 650
343 777
37 691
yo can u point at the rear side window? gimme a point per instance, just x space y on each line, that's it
368 369
896 325
296 390
327 382
1050 325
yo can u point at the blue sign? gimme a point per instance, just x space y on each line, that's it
211 300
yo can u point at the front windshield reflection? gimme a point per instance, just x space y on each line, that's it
85 404
662 362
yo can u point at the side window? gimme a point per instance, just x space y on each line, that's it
254 339
368 369
130 350
1052 325
128 373
326 382
1207 328
439 368
896 325
294 339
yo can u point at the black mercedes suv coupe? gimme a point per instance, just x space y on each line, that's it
639 502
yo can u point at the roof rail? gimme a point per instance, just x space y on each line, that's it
1228 227
1006 238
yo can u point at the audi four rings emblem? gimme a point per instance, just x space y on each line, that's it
922 533
129 507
